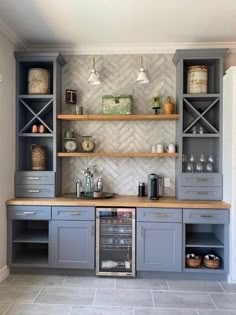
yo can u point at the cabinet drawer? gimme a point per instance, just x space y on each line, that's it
200 193
34 191
159 215
209 180
205 216
29 213
73 213
35 178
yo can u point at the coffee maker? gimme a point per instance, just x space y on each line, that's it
155 186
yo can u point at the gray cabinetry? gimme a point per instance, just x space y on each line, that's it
159 239
206 232
40 110
199 130
73 237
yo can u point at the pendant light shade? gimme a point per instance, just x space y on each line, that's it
94 76
142 76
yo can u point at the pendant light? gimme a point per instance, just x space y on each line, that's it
94 76
142 76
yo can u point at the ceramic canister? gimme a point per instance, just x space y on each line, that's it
197 80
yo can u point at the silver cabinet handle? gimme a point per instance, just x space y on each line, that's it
202 179
71 213
29 212
206 216
92 230
161 215
34 191
141 231
33 178
202 192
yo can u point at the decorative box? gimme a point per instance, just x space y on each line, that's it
117 105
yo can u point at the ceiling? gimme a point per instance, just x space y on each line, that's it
123 24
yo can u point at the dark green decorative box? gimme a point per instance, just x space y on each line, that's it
117 105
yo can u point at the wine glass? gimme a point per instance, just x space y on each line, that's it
202 157
189 167
199 167
209 167
211 158
192 158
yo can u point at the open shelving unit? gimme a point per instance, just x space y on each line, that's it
116 154
131 117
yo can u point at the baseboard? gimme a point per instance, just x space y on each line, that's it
4 273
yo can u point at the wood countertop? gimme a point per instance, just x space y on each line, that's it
120 201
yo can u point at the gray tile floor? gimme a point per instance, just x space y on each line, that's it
68 295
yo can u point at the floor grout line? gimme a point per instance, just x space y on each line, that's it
197 312
70 310
95 293
167 285
37 295
153 304
221 287
7 309
212 300
64 281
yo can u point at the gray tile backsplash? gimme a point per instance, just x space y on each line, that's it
118 74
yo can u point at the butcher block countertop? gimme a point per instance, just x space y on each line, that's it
120 201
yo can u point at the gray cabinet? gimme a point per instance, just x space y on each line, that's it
72 233
199 129
39 110
159 239
73 244
206 232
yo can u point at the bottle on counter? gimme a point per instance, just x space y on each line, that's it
79 188
100 184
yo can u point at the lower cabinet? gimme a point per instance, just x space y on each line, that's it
159 243
72 244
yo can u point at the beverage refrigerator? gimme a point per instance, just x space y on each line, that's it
115 242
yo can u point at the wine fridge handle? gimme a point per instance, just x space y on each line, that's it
92 230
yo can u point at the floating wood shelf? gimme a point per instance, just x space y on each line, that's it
117 117
116 154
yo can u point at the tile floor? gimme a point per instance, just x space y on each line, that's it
70 295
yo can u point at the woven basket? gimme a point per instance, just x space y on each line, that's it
193 261
212 263
38 157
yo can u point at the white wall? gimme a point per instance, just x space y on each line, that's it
7 139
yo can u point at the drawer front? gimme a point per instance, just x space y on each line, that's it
159 215
200 193
210 180
35 191
205 216
29 213
73 213
35 178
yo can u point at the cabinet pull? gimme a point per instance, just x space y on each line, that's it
206 216
34 191
33 177
161 215
141 231
202 179
71 213
202 193
29 212
92 230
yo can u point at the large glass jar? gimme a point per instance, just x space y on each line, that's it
89 186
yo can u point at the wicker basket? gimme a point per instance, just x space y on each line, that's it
193 261
38 157
211 261
38 81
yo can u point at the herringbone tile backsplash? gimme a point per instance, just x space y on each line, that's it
118 74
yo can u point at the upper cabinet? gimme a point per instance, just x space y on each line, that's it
38 101
199 130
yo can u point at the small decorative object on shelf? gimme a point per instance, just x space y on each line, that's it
87 144
168 107
197 79
41 129
89 180
34 129
117 105
38 81
79 110
38 157
71 96
156 104
211 261
193 261
70 143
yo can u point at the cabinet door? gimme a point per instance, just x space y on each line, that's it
159 246
72 244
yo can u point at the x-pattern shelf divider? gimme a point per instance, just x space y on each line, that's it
200 116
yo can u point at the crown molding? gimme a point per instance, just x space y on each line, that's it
129 49
13 37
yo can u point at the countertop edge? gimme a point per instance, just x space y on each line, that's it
121 201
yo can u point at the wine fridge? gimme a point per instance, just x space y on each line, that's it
115 241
